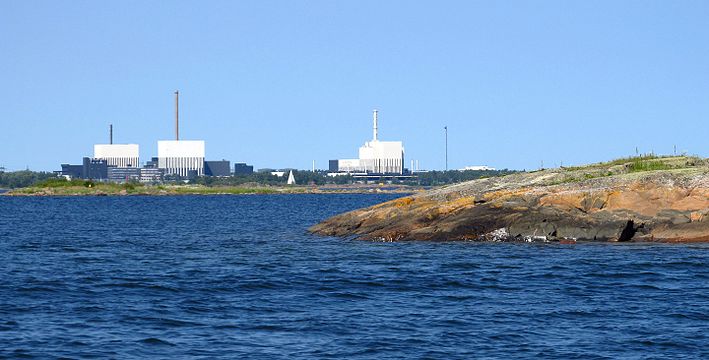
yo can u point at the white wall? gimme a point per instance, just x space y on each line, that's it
382 150
382 156
120 155
180 156
180 148
116 150
349 165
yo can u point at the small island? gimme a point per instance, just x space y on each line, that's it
658 199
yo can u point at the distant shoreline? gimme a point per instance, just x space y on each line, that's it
177 190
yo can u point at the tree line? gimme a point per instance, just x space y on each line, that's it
302 177
24 178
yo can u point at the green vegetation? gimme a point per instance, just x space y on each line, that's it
435 178
60 186
35 183
647 165
265 178
624 166
230 190
631 159
642 163
18 179
80 187
61 182
431 178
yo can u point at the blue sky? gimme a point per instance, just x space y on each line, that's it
281 83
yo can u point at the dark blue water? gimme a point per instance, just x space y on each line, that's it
238 277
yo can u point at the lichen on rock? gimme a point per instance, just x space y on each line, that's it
602 202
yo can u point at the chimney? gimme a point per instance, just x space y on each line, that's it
177 115
110 134
375 126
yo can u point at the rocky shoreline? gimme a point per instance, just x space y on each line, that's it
601 202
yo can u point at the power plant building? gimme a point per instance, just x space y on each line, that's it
243 169
91 169
150 175
219 168
118 155
184 158
375 156
176 158
123 174
180 157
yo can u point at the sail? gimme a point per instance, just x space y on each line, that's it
291 178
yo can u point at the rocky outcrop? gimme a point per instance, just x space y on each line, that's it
600 203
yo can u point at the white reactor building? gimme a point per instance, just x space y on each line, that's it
180 157
118 155
376 156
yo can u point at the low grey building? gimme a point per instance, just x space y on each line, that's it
151 175
95 169
90 169
153 163
123 174
243 169
73 171
217 168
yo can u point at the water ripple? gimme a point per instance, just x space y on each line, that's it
239 277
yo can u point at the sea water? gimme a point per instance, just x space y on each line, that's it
240 277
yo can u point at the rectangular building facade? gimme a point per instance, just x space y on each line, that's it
217 168
118 155
243 169
181 157
350 166
152 163
150 175
123 174
73 171
94 169
382 157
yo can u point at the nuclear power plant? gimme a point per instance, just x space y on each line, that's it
181 157
177 159
118 155
375 157
186 160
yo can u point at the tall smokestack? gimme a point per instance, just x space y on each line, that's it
110 134
375 126
177 115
